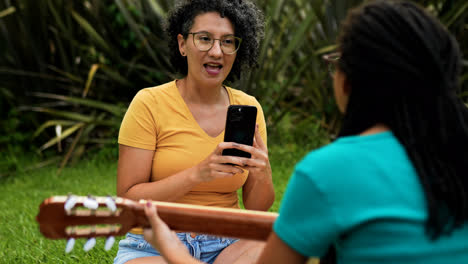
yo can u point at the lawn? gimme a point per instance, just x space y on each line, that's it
22 193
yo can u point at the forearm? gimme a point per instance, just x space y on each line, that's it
258 194
164 240
168 189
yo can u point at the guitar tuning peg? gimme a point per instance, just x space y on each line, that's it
70 203
111 204
70 245
109 243
89 244
90 203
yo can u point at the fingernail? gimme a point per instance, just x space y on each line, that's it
148 204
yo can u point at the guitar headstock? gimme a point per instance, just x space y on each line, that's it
73 217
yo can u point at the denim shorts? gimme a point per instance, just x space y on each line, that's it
203 247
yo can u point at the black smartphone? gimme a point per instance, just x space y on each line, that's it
240 128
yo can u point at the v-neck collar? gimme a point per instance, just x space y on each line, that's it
192 118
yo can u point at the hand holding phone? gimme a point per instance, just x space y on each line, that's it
240 128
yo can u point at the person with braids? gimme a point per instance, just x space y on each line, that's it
171 138
393 187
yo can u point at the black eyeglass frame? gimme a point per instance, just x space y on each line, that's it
213 41
331 59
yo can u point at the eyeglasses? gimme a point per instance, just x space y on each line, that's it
331 60
204 41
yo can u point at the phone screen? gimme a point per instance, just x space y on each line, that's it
240 128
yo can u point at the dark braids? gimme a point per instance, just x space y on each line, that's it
247 19
403 67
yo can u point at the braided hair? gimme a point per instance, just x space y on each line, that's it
403 67
247 19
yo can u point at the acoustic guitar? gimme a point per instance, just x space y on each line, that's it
71 217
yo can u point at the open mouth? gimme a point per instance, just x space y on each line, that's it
213 68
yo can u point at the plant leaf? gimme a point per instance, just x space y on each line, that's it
91 31
91 73
65 134
7 11
113 109
52 123
66 114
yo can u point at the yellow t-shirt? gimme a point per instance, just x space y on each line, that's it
158 119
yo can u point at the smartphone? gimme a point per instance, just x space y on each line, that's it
240 128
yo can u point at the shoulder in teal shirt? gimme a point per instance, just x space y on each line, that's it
362 194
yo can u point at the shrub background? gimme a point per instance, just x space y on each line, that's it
75 65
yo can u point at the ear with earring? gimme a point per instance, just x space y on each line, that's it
183 54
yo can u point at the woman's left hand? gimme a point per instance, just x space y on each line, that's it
258 164
257 192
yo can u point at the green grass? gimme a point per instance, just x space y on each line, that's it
20 197
22 193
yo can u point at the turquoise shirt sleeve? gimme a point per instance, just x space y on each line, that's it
306 221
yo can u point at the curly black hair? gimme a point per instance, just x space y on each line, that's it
246 17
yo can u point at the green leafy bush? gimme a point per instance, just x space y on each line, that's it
77 64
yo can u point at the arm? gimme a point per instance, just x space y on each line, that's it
133 177
174 252
134 170
164 240
139 129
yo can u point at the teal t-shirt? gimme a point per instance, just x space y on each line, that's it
362 194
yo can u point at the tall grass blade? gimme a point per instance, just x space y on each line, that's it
116 76
51 123
113 109
326 49
7 11
157 9
68 75
91 73
70 150
133 25
91 31
65 134
24 73
455 13
65 114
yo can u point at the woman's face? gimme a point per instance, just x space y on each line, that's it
213 66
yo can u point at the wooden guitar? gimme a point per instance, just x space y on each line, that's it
73 217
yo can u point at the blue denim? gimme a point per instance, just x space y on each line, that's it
203 247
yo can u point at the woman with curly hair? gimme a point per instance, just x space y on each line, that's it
171 138
393 188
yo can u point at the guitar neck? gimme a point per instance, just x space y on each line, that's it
55 222
217 221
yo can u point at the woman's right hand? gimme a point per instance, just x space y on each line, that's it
164 240
216 165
